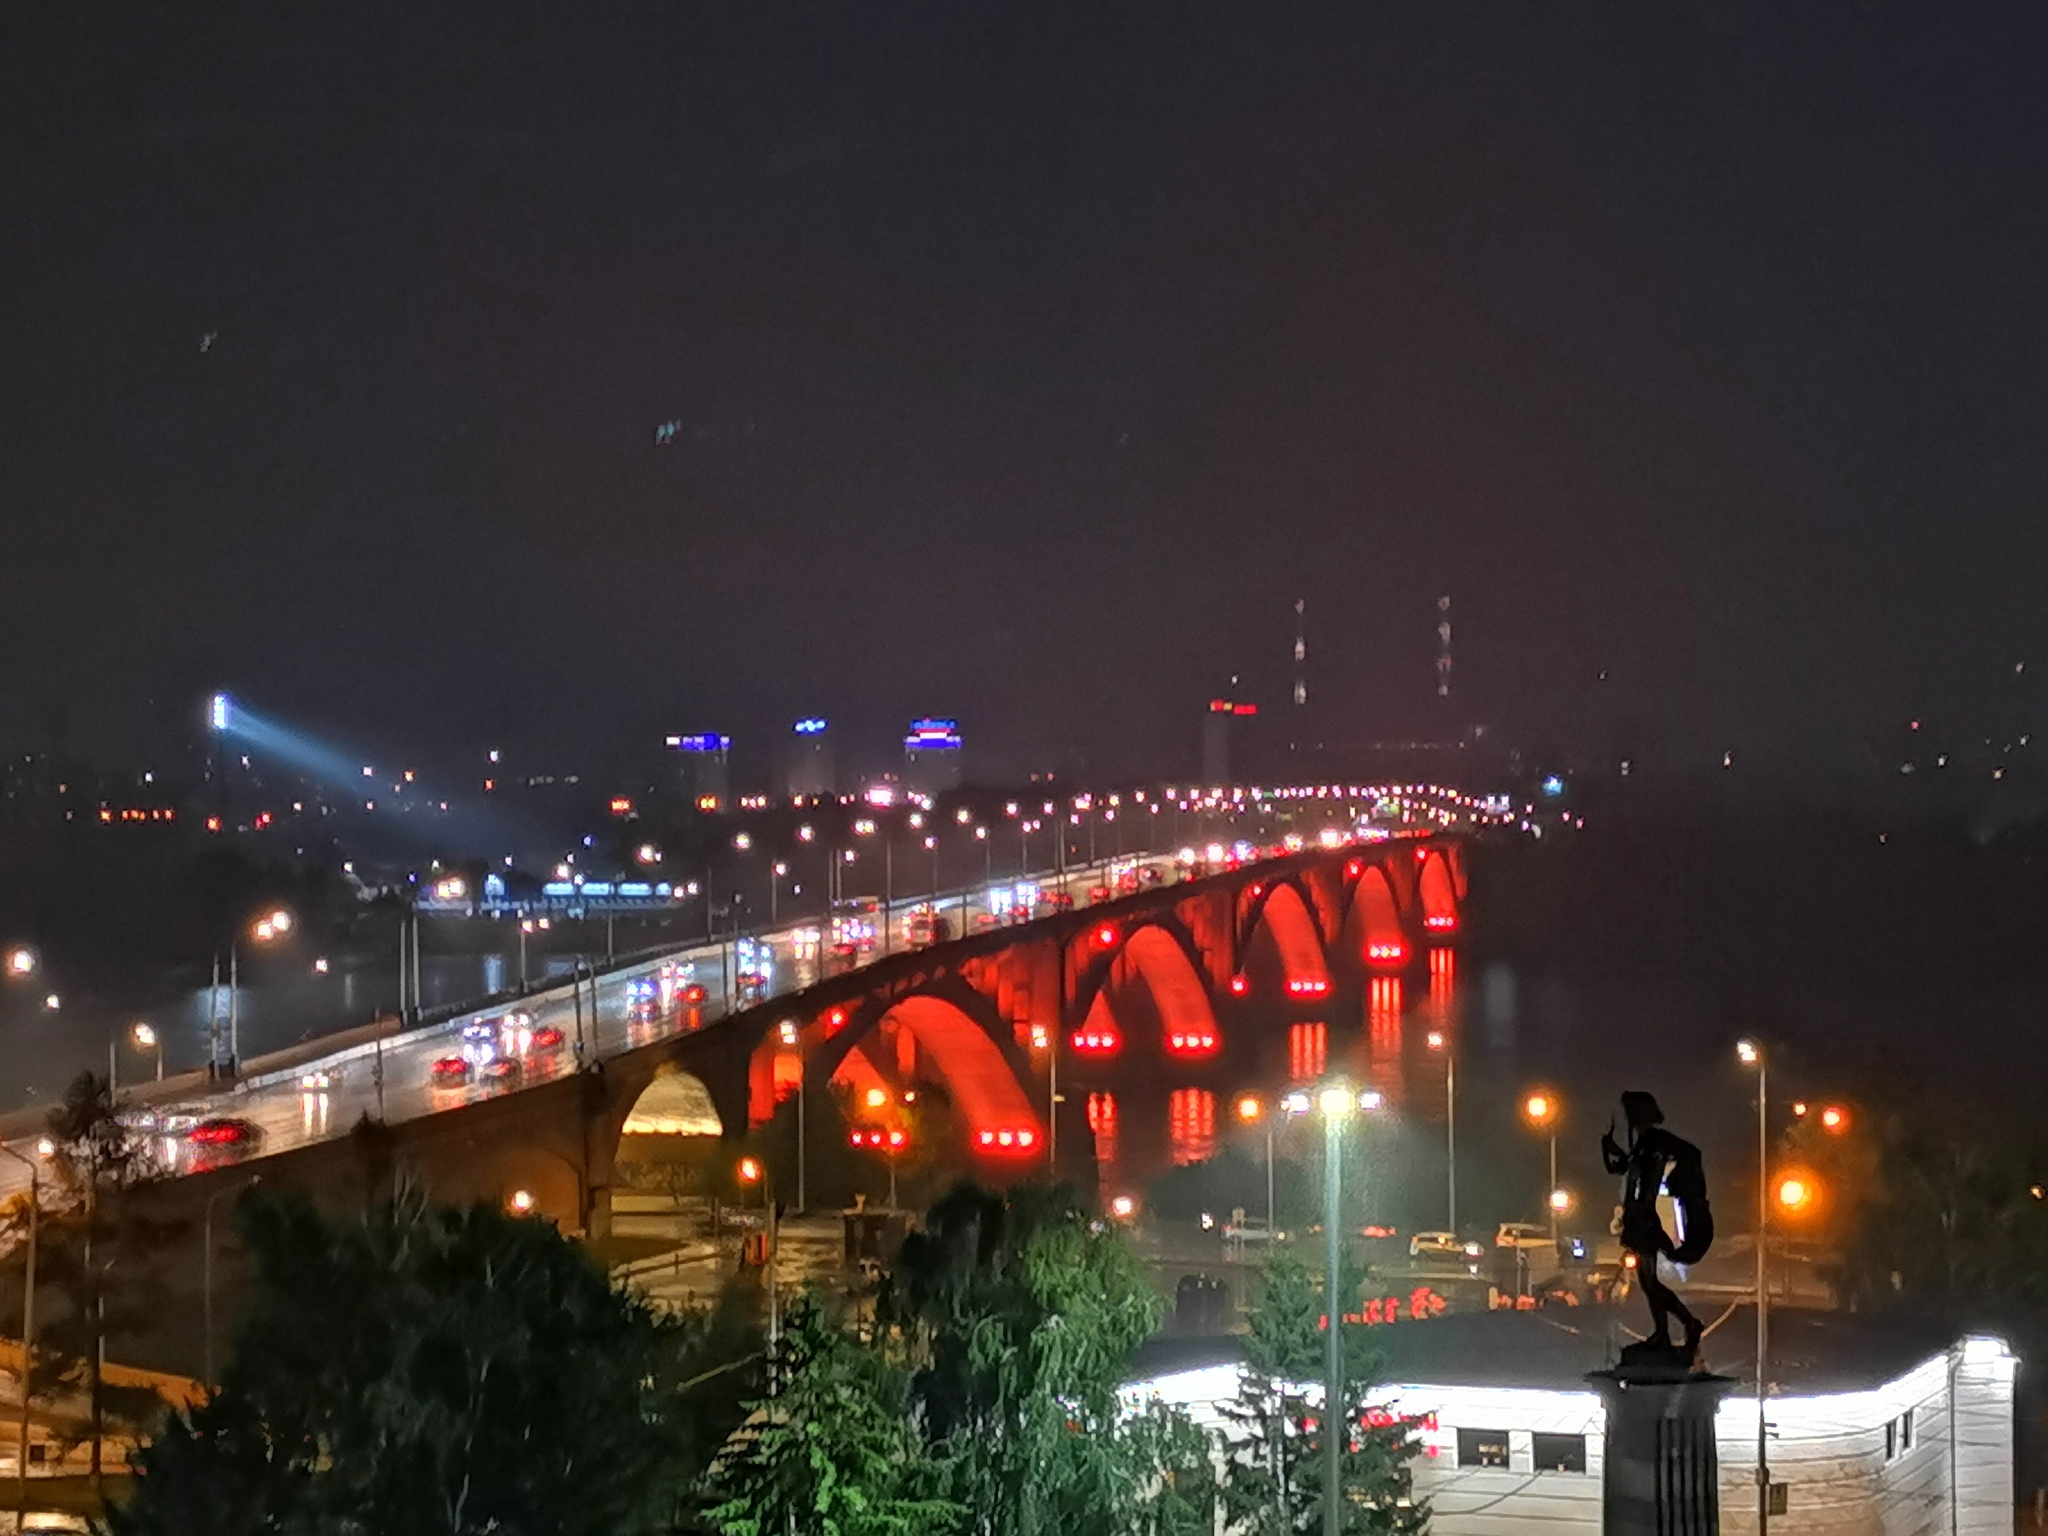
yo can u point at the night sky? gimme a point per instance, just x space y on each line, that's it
1029 361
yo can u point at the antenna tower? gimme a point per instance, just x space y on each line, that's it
1443 647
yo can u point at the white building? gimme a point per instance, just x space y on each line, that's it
1876 1425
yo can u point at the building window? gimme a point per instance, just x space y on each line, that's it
1482 1448
1559 1453
1891 1438
1906 1430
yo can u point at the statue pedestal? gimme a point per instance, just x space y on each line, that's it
1662 1471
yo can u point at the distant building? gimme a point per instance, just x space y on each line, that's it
1877 1424
705 769
810 759
1221 726
932 756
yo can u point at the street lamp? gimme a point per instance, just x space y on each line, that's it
754 1170
1439 1041
28 1328
1251 1110
271 925
147 1039
1540 1109
1335 1102
775 873
1750 1054
21 961
528 925
1047 1040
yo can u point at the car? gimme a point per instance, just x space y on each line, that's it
1099 893
1149 875
501 1073
320 1080
1442 1245
545 1039
449 1072
1059 901
694 995
1522 1234
224 1131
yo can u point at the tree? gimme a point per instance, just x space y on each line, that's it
1275 1481
833 1452
96 1252
1021 1317
425 1371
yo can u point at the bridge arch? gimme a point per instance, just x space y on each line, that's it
1374 935
1436 884
956 1037
1281 949
1149 990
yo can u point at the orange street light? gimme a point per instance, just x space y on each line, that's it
1797 1191
1834 1119
1250 1108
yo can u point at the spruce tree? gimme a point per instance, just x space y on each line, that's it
1273 1485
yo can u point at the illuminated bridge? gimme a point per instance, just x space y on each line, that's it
975 1031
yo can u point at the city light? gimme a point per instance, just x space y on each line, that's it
217 713
750 1170
877 1097
1747 1053
1834 1119
1250 1108
521 1203
1123 1207
1435 1040
1561 1201
143 1036
1796 1192
21 961
1540 1108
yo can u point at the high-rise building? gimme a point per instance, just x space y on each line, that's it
705 768
1221 726
810 759
932 755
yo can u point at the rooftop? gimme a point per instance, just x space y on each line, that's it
1811 1351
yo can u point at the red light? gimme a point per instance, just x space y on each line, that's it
1237 986
1440 923
1386 951
988 1138
1025 1138
1105 936
213 823
896 1138
621 806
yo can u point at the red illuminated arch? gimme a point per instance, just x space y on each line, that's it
1437 886
1282 951
959 1039
1149 991
1374 935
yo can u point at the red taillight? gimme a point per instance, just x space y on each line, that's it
1237 986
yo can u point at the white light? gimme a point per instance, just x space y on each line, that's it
1296 1103
1747 1053
1335 1103
21 961
217 712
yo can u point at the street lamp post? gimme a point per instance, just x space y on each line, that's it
754 1170
28 1331
1750 1054
1439 1041
1251 1108
775 873
147 1039
1540 1109
1335 1102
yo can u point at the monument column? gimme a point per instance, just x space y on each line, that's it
1662 1468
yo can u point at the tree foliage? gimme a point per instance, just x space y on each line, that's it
1276 1478
1021 1317
834 1451
426 1372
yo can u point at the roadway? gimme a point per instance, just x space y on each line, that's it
391 1078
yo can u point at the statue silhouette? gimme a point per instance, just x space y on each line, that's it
1656 1161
